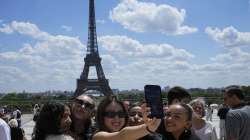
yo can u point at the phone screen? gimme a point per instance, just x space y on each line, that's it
154 100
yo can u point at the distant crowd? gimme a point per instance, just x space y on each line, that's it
113 119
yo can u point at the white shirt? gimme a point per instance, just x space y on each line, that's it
4 130
207 132
59 137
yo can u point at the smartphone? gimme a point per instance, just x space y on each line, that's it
154 100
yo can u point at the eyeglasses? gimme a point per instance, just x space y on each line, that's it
85 104
120 114
132 114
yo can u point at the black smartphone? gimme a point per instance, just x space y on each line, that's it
154 100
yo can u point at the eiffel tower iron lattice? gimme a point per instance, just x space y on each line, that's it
92 59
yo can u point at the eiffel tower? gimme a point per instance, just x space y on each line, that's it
92 59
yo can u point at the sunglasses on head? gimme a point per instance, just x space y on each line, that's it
120 114
85 104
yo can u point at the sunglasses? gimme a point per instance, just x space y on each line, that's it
85 104
120 114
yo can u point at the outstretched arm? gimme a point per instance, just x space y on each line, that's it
130 132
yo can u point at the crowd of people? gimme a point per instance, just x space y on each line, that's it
112 119
10 127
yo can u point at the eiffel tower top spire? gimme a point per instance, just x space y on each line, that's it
92 47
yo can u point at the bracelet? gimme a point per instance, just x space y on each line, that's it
149 130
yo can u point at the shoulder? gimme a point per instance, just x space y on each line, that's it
155 136
59 137
3 124
238 111
193 136
232 112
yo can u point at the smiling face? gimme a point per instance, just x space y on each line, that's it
114 122
66 121
198 110
82 107
176 119
135 116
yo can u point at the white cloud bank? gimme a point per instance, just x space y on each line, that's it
51 62
127 48
229 36
148 17
55 61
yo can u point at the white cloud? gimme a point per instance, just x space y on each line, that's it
66 28
52 61
6 29
229 36
25 28
148 17
56 61
235 55
125 47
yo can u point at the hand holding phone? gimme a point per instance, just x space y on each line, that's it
154 100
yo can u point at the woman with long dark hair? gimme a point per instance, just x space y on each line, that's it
53 122
112 118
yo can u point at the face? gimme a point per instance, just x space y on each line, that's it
83 107
66 121
114 118
176 119
198 110
135 116
228 100
126 104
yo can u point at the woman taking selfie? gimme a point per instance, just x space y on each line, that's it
177 123
112 119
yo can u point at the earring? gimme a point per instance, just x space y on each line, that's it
186 130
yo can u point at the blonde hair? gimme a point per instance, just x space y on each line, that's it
200 101
13 123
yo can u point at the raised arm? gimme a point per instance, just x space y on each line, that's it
130 132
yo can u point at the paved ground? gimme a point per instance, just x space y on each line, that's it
28 124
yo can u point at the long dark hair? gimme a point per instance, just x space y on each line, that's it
49 121
101 110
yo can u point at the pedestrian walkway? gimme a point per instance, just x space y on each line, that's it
216 122
28 125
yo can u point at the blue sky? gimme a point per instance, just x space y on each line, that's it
167 42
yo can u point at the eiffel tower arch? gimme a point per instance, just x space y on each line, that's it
92 59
